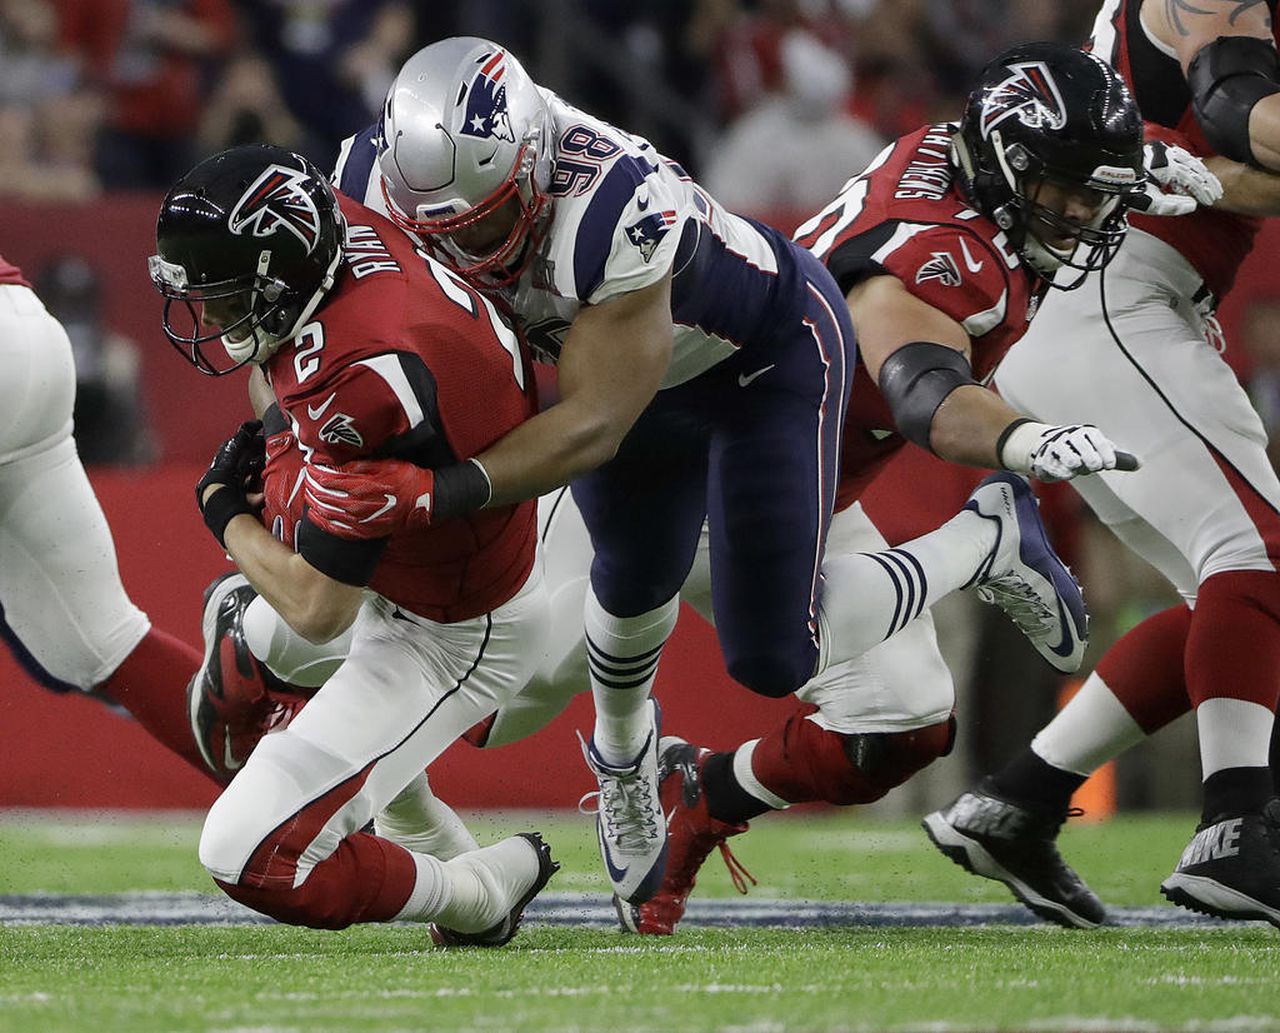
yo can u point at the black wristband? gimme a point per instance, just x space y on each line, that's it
1004 436
219 509
459 489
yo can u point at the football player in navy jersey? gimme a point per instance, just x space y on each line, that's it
369 348
1144 353
704 362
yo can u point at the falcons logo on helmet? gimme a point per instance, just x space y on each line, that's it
1030 93
486 114
277 200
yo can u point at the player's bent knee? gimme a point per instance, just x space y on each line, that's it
304 905
227 841
880 761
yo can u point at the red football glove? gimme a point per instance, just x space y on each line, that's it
369 498
282 484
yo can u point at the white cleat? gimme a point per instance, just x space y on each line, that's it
630 826
1024 576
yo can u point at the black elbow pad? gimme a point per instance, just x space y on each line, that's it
916 379
1227 78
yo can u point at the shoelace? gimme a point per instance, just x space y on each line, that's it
702 842
1020 601
626 805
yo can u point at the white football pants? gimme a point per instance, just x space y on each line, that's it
1159 388
59 580
409 687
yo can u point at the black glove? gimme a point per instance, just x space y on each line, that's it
237 460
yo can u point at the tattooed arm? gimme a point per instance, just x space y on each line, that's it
1188 26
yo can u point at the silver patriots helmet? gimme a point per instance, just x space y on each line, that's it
465 133
1048 112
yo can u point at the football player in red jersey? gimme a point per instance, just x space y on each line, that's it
1064 205
370 349
611 258
945 246
65 612
1139 349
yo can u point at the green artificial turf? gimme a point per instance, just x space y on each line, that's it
275 979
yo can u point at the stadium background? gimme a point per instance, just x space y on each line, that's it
103 103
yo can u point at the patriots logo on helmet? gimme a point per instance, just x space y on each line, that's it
340 429
277 200
486 114
942 267
1030 93
646 234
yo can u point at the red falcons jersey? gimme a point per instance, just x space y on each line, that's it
905 216
1214 242
404 361
11 274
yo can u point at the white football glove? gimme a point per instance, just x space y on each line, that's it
1051 453
1177 181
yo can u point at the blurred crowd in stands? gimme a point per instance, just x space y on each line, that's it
126 94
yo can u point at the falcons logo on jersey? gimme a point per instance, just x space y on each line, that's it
1030 93
340 429
942 267
486 115
277 200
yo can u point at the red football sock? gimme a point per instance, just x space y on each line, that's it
151 684
802 762
1145 669
367 879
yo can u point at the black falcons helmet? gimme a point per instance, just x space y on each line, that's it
1047 111
257 232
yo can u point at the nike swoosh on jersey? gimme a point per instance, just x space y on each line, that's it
879 433
744 379
315 412
969 263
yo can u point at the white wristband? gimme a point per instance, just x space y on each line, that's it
1015 453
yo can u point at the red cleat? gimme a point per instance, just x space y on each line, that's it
233 700
692 833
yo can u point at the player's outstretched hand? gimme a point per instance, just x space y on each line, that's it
1059 453
1177 181
369 498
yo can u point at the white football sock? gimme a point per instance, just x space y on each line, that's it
867 596
1234 733
1093 728
623 654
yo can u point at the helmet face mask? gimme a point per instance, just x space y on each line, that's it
465 146
248 243
1050 148
241 312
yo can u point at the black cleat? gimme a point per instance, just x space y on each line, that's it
500 934
1231 868
999 839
